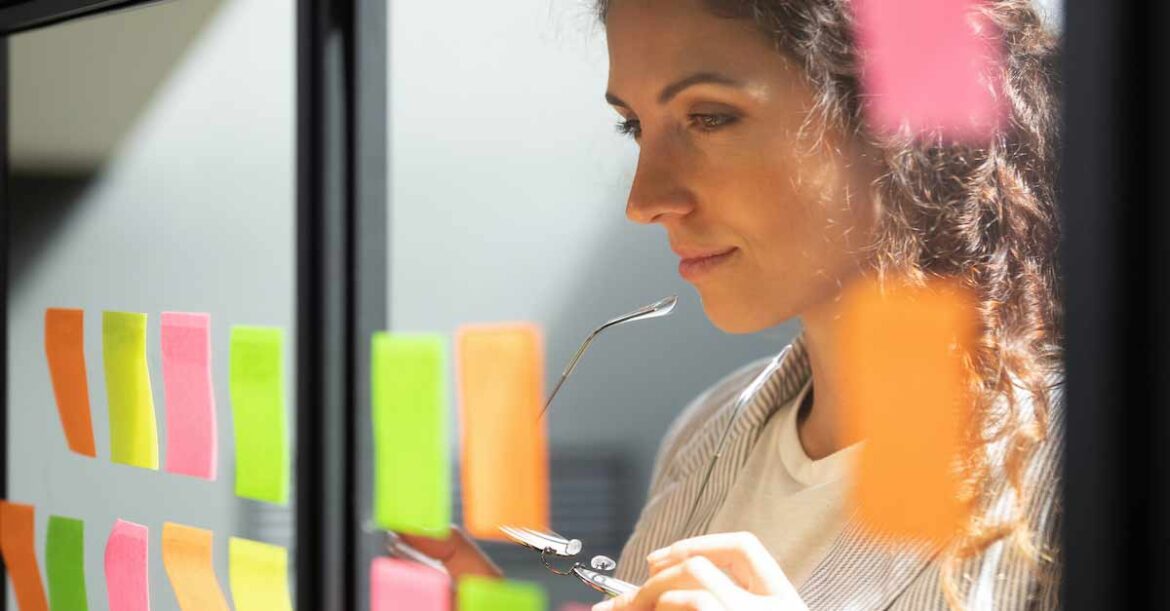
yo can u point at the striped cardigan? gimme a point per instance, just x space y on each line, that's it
858 572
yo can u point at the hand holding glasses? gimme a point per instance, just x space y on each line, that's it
552 544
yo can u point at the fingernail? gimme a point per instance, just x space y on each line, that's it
605 605
658 555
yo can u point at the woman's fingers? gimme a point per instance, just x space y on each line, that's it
688 600
740 554
696 573
458 553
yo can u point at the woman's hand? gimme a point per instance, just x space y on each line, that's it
458 553
721 572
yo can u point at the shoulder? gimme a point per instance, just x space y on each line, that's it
706 406
697 421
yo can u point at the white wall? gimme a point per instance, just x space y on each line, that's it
1053 12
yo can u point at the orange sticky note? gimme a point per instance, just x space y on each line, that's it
505 445
17 523
186 553
908 397
16 544
65 351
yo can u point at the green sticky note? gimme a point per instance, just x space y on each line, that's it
258 413
65 562
412 455
133 432
476 593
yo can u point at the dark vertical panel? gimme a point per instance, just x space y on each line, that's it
342 279
1114 257
1158 236
325 523
1090 184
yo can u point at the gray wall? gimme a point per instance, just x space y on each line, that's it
187 205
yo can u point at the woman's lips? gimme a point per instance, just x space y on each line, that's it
695 267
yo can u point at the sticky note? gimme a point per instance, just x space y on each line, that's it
505 445
908 397
65 352
412 473
399 585
190 399
17 523
127 571
476 593
133 431
65 563
930 65
258 413
259 576
186 553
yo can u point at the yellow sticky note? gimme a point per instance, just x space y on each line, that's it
186 555
256 368
476 593
133 432
412 482
258 575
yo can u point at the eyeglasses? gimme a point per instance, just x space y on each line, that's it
550 544
553 545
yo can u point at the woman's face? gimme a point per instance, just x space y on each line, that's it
766 223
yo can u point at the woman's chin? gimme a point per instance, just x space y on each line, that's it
737 317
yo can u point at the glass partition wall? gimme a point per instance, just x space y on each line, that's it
151 170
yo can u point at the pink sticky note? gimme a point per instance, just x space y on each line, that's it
399 585
575 607
931 65
127 578
190 400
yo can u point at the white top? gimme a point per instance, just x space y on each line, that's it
794 504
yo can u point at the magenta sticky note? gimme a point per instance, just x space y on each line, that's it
931 65
127 572
401 585
190 399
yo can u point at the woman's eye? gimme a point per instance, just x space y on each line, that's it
630 127
712 122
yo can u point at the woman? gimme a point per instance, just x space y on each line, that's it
756 159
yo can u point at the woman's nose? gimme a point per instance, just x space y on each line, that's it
658 192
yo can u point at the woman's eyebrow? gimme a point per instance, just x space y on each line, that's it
678 86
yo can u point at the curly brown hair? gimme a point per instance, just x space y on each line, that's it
981 213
